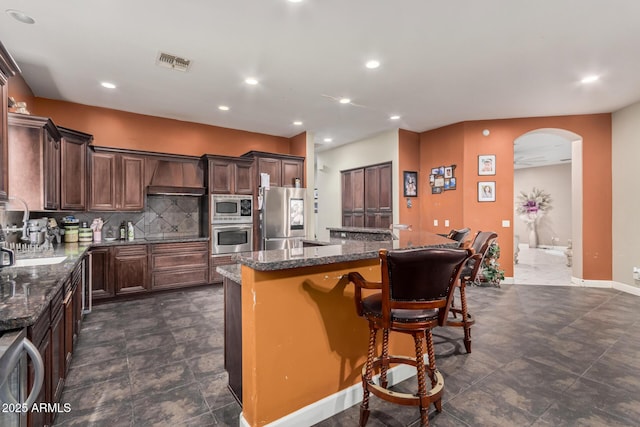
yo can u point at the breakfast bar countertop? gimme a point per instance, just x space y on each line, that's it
338 250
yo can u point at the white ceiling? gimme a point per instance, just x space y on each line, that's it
442 62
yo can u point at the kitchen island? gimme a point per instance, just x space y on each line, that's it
303 345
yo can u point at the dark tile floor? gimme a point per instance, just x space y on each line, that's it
154 361
542 356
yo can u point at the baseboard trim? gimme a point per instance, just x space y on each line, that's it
634 290
333 404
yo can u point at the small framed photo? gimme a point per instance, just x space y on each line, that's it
436 190
434 171
438 182
486 191
452 183
448 172
487 164
410 184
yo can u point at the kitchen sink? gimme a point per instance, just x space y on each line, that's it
27 262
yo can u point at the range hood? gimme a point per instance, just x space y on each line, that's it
175 178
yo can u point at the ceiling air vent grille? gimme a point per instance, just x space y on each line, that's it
167 60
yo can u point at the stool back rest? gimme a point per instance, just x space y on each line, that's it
480 246
459 235
419 279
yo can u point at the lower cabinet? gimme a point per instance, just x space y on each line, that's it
217 260
176 265
131 269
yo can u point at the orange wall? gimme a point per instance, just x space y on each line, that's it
298 147
442 147
595 130
408 160
120 129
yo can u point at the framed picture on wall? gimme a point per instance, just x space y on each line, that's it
487 164
486 191
410 184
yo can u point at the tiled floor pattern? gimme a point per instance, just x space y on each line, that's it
542 356
153 361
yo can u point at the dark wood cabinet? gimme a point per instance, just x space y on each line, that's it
283 169
40 335
73 169
176 265
353 198
217 260
233 336
72 312
8 68
130 269
116 182
230 175
58 352
34 160
367 197
101 284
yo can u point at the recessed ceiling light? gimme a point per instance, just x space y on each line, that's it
328 139
394 117
344 100
372 64
297 123
20 16
108 85
590 79
223 108
295 1
251 81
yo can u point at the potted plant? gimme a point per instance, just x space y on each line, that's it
491 272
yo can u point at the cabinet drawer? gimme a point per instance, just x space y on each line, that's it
172 279
134 250
179 260
172 248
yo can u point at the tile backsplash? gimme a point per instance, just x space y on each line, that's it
163 217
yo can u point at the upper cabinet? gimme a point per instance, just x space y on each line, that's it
8 68
116 181
34 161
73 169
283 169
230 175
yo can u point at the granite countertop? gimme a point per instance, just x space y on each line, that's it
231 271
361 230
25 292
338 250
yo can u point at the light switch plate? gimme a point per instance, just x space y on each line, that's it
446 222
506 223
435 222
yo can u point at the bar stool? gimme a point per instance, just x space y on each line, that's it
415 295
470 274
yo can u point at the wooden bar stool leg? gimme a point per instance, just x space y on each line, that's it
385 358
432 366
422 381
465 317
364 406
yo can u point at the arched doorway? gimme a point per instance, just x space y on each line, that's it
550 160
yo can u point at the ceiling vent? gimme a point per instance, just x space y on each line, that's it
167 60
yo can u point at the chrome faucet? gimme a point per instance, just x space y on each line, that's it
25 218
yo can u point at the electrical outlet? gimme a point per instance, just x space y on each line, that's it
506 223
636 273
446 222
435 222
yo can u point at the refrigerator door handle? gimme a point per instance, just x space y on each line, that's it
13 360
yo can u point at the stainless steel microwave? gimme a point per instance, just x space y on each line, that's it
231 209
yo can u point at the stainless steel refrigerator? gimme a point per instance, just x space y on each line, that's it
283 217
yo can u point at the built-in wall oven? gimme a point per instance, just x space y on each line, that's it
231 223
231 238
